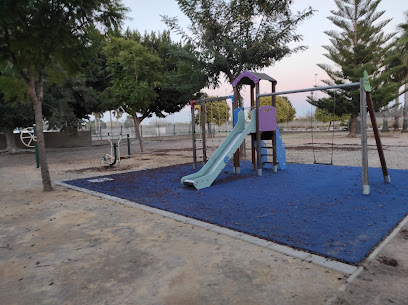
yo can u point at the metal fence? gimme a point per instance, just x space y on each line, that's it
166 129
158 130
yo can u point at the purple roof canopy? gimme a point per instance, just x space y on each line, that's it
251 78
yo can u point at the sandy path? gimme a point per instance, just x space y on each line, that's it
66 247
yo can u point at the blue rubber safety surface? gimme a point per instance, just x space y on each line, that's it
317 208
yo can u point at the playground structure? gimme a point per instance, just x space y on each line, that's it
366 103
114 156
263 126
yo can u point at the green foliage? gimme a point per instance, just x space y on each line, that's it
134 74
67 105
324 116
217 112
15 114
36 35
402 44
398 56
16 110
285 112
128 123
70 100
168 74
360 45
93 124
236 35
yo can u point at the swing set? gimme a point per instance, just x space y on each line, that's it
366 103
267 116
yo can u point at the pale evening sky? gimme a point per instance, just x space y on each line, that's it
296 71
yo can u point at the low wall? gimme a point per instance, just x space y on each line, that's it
55 140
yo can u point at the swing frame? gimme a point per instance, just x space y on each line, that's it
365 103
332 142
201 104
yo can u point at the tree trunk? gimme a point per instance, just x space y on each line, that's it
37 95
353 126
11 141
396 115
385 127
137 122
405 111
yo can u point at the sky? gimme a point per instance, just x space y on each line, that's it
294 72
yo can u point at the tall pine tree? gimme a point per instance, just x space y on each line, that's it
360 45
402 48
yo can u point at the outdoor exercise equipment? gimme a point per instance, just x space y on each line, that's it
28 137
114 155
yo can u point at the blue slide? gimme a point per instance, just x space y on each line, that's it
210 171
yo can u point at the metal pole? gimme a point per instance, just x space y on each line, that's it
213 99
310 89
128 144
37 157
364 153
252 137
203 137
275 161
193 137
380 150
235 106
258 134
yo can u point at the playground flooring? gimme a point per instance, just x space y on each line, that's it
70 247
317 208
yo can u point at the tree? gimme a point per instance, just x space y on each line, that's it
15 109
69 104
35 36
236 35
71 99
402 48
361 45
285 112
95 124
167 75
134 74
321 115
216 113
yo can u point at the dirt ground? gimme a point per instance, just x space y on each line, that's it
67 247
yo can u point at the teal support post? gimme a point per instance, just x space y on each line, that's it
37 158
128 144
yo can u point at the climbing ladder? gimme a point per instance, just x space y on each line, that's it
280 153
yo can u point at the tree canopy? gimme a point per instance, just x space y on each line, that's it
402 51
285 112
15 109
38 36
150 74
232 35
360 45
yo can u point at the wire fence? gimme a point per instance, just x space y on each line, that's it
166 129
